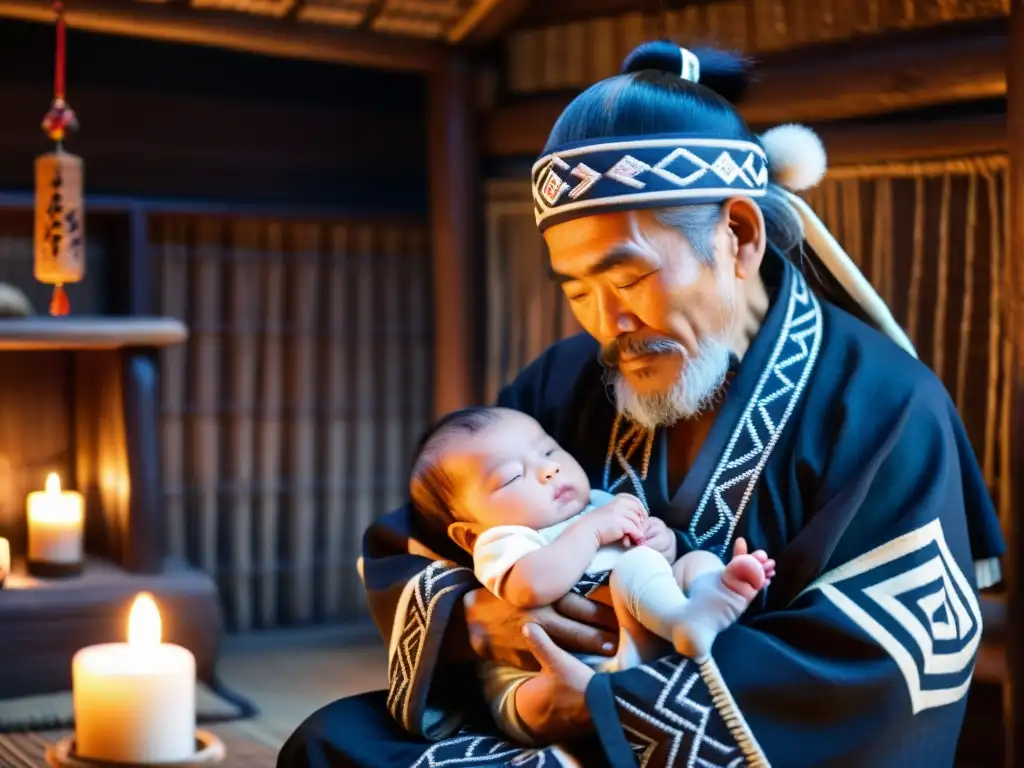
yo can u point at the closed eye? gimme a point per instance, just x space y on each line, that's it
634 283
509 482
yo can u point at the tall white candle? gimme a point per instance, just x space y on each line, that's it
135 702
55 520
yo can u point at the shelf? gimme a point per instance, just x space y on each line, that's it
89 332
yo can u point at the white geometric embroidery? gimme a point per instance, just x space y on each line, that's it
758 174
589 177
738 165
591 582
626 170
471 751
412 621
554 187
727 169
683 181
680 718
912 598
765 417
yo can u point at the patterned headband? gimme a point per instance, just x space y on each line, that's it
606 175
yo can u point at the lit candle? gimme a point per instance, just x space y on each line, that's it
5 560
135 702
55 520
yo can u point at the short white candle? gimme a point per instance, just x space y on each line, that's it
55 519
135 702
5 559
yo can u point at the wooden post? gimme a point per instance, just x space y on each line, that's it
454 216
140 286
143 546
1013 688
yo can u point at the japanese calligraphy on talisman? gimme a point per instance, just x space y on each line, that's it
60 219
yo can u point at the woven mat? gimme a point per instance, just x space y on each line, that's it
28 750
53 711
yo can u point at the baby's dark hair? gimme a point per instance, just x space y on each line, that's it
431 487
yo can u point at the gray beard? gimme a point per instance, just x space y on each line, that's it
697 389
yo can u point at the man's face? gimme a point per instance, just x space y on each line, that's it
662 314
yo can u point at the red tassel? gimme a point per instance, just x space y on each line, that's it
58 69
59 304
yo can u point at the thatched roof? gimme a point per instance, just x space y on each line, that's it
390 34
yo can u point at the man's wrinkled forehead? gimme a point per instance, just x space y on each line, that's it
590 246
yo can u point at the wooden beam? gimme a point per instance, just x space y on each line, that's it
864 144
1013 459
832 83
856 143
567 11
237 31
454 213
486 20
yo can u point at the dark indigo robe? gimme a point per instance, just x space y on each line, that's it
835 451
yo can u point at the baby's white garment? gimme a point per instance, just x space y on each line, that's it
494 553
498 549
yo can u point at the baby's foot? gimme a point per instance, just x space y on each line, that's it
745 575
739 548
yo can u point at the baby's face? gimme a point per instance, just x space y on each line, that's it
513 473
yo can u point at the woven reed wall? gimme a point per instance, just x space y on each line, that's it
576 54
290 414
930 237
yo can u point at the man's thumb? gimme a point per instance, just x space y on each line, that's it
548 655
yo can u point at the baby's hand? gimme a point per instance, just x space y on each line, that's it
660 538
621 519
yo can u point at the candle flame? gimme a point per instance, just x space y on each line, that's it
53 483
144 622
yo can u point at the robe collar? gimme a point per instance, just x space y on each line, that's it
763 392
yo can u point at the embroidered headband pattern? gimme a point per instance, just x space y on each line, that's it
625 174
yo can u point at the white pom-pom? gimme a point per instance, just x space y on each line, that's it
796 156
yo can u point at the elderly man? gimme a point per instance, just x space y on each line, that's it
741 385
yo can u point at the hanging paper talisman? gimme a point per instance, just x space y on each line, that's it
60 211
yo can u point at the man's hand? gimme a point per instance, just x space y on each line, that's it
562 711
579 625
660 538
621 519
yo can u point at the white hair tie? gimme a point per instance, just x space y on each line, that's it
690 67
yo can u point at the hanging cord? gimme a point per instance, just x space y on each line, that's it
58 121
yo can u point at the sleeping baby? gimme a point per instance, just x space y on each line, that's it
507 493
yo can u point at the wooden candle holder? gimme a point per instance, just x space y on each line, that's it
209 751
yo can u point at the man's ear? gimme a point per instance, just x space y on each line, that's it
463 534
746 223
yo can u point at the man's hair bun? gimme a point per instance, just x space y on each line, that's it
727 74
